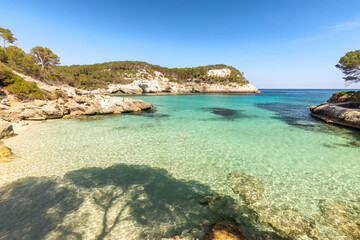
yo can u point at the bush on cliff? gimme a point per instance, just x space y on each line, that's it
16 85
345 96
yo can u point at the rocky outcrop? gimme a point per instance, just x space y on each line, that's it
159 84
338 113
6 129
70 107
224 231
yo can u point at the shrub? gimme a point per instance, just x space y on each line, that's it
17 85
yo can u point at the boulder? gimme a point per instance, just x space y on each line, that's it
224 231
337 113
6 129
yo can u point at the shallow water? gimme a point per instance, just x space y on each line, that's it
143 176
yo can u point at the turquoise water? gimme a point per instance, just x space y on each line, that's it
145 176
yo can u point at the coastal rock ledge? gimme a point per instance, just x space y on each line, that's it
338 113
16 111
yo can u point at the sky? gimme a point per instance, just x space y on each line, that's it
277 43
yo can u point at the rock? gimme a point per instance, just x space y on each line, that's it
356 143
5 153
125 88
342 217
208 199
6 102
219 72
80 99
143 105
337 113
36 114
250 188
288 221
4 107
52 111
6 129
73 106
22 123
224 231
39 103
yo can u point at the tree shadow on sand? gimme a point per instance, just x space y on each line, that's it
158 205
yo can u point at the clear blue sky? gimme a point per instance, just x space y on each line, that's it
277 43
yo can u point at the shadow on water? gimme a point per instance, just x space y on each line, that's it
152 113
299 116
227 114
158 205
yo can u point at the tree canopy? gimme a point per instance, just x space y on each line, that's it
350 66
7 36
45 57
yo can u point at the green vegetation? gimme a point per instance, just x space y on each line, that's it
45 57
123 72
346 96
350 66
7 36
18 86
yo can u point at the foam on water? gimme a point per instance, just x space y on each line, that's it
141 176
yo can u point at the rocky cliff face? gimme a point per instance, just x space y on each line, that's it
159 83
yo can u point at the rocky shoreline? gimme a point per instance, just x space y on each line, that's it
164 86
341 109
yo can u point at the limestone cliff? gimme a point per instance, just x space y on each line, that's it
131 77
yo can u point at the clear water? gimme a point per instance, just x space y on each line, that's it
144 176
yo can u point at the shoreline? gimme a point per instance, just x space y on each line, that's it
185 94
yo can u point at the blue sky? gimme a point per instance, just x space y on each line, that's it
277 44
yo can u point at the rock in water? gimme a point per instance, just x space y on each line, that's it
342 217
224 231
288 221
5 153
250 188
6 129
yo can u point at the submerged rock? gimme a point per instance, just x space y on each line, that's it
225 112
5 153
250 188
6 129
356 143
288 221
208 199
224 231
342 217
